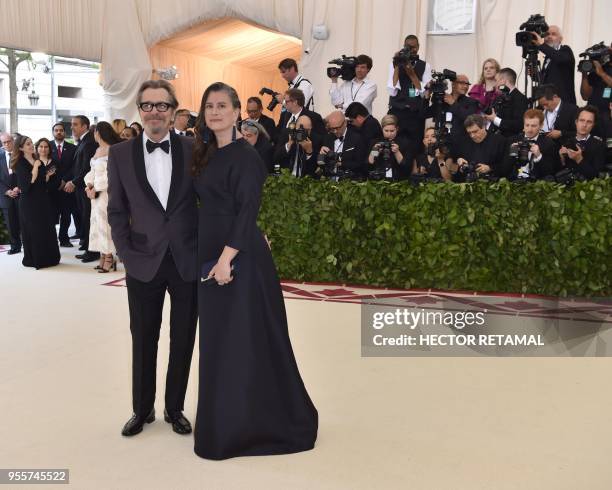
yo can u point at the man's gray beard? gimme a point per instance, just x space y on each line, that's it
157 131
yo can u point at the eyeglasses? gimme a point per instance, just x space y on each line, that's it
160 106
459 82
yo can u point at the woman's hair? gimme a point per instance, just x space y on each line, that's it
138 125
388 120
17 154
205 140
488 60
107 133
254 127
119 125
131 130
43 140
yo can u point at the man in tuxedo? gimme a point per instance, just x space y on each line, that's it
542 155
254 110
63 153
152 212
559 115
300 157
509 121
294 105
86 148
558 67
181 121
368 126
347 142
289 71
596 89
484 150
586 153
9 194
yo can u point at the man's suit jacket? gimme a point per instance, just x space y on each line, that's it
318 126
560 70
65 164
286 158
566 120
594 158
85 151
512 115
270 126
354 151
7 182
545 167
370 131
141 228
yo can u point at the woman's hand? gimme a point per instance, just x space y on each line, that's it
91 192
222 272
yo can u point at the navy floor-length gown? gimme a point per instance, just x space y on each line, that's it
252 400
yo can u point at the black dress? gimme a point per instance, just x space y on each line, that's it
40 247
252 400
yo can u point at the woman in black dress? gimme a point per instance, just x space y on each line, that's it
252 400
40 247
43 149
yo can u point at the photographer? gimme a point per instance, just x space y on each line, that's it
347 143
408 77
294 105
359 89
254 110
511 108
390 157
596 86
483 154
298 148
358 117
585 154
257 136
289 71
432 163
559 115
558 67
531 155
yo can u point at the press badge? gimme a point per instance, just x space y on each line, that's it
606 93
411 92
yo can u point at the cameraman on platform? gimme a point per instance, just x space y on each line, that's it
511 107
408 77
585 154
596 86
559 61
346 142
531 155
359 89
298 148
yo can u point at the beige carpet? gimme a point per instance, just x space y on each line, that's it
385 423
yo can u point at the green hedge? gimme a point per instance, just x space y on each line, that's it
534 238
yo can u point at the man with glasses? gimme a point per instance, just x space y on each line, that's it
254 110
9 193
294 105
153 216
346 142
181 121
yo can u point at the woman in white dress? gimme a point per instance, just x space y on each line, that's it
96 182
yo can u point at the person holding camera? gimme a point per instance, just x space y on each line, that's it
289 71
298 148
345 142
559 115
407 82
391 156
254 110
359 89
531 155
432 164
559 61
507 112
483 154
596 86
294 105
358 117
585 154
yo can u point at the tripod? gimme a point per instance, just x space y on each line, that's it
532 71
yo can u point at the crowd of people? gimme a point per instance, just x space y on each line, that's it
485 130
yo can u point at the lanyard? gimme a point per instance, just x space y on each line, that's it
353 96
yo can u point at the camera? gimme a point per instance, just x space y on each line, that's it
328 164
536 23
297 134
468 172
520 151
568 176
345 69
273 103
438 84
405 56
498 105
598 52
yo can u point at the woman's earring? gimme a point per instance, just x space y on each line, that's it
234 133
205 134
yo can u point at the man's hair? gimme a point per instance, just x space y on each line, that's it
83 119
534 114
182 112
167 86
287 64
356 109
509 74
297 95
257 100
389 120
548 91
364 59
474 119
589 108
411 36
57 124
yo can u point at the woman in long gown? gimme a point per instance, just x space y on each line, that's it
252 400
40 247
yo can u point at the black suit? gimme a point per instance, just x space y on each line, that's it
558 69
354 151
318 126
399 170
66 201
370 130
594 157
9 205
462 108
265 150
511 114
544 167
82 164
566 120
287 159
269 125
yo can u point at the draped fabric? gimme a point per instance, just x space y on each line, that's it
128 38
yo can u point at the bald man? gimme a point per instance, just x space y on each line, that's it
347 141
559 63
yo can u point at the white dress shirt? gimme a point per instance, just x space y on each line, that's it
364 91
179 132
159 169
306 87
393 89
8 162
550 118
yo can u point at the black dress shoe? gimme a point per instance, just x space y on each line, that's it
90 257
13 251
74 237
80 256
135 424
66 243
180 424
82 247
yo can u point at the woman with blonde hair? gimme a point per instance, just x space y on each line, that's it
485 91
119 125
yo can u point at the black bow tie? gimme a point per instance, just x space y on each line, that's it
164 145
340 138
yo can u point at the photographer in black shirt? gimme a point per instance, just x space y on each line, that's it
508 117
358 117
391 156
596 89
431 164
